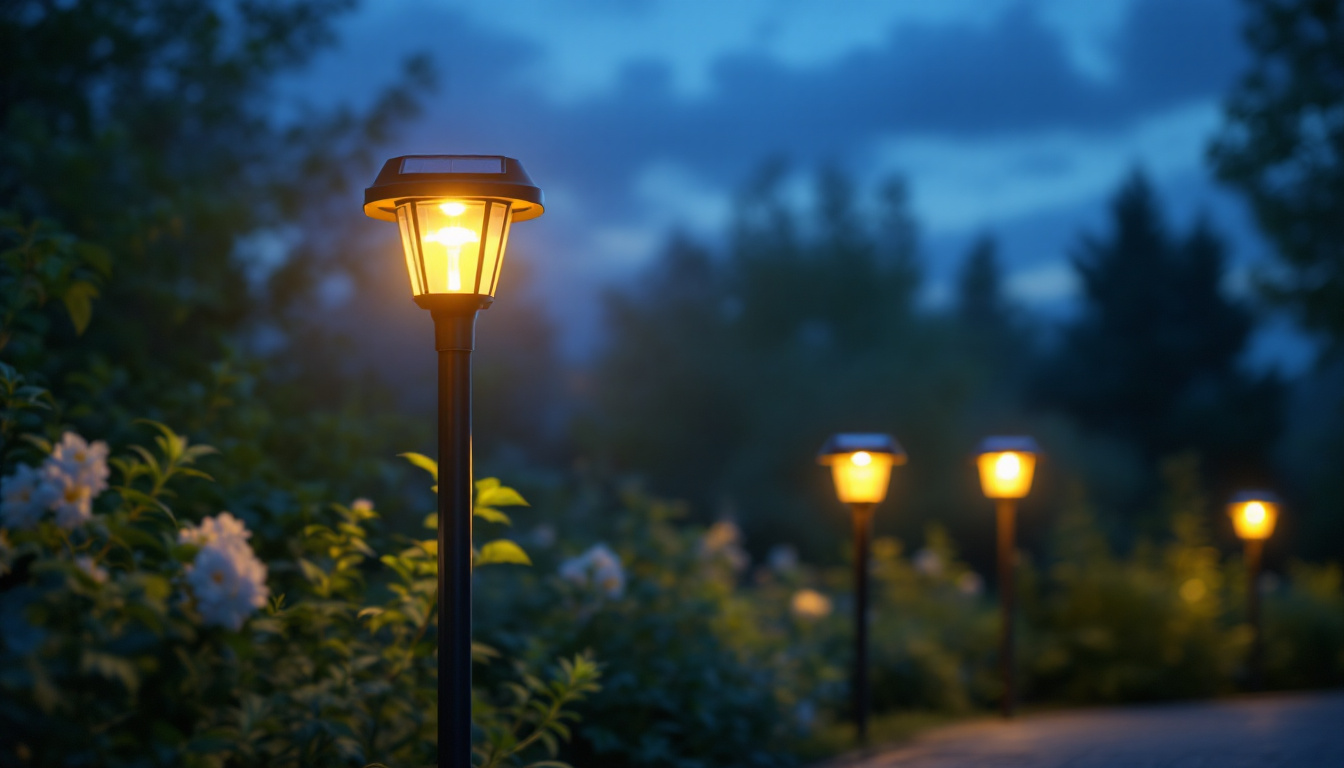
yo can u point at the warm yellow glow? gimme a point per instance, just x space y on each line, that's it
862 477
454 246
1006 474
1254 519
453 238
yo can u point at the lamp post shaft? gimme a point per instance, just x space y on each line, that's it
454 338
1255 549
1007 514
863 527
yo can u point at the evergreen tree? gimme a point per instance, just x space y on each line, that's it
980 305
1282 145
1153 358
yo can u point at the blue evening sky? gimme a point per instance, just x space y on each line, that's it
638 116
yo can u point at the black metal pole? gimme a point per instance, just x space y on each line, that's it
1254 555
454 338
1007 512
863 525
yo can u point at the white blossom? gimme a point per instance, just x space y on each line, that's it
361 505
928 562
227 579
26 495
220 527
810 604
599 567
71 500
88 566
84 462
970 583
783 558
723 540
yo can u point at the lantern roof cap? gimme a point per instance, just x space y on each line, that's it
845 443
1004 443
1242 497
430 177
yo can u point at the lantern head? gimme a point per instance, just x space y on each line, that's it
1254 514
861 465
1007 465
454 212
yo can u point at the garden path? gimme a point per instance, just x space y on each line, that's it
1272 730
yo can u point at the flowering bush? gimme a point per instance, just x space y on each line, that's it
131 637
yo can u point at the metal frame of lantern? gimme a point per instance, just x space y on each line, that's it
1007 465
1254 515
435 201
861 469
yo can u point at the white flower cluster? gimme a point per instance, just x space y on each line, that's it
66 484
226 577
599 567
723 540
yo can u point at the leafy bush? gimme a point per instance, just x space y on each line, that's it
130 637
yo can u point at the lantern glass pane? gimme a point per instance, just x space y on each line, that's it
1254 519
497 238
409 247
861 477
1006 474
450 243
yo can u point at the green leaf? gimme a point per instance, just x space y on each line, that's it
432 520
311 571
502 551
79 303
424 462
491 515
500 496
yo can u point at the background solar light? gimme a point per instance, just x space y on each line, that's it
861 469
1254 514
454 213
1007 465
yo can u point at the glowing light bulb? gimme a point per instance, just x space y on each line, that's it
1008 467
861 459
1255 513
453 238
453 209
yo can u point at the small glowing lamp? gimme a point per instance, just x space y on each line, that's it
861 465
454 212
1254 514
1007 465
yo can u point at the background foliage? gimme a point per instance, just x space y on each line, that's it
146 178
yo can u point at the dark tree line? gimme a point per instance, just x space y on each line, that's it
724 371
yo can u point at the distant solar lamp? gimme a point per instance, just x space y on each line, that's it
1254 514
861 468
1007 465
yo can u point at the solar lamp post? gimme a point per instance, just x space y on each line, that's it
861 468
454 213
1007 465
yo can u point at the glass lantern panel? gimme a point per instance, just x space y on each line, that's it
409 247
861 477
500 215
450 234
1006 474
1254 519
